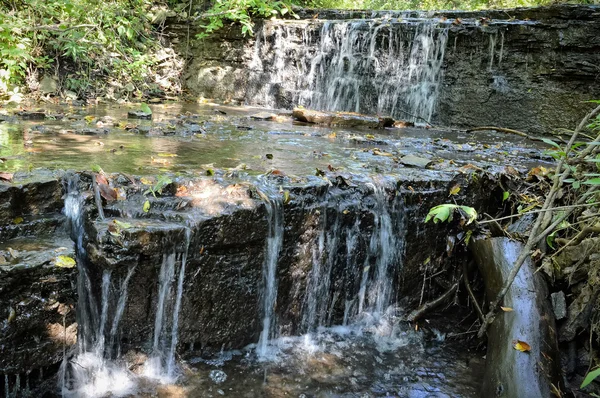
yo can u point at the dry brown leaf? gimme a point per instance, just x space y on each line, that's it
107 192
521 346
101 179
6 176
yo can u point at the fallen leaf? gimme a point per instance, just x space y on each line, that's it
145 181
64 262
506 309
101 179
12 314
455 190
521 346
146 207
107 192
6 176
18 220
167 155
164 162
286 197
122 225
181 190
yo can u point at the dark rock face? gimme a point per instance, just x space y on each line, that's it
529 73
223 284
37 292
334 235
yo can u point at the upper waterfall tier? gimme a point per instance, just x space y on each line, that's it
376 66
526 69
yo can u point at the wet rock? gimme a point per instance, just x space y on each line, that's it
415 161
48 85
263 116
139 115
32 115
26 196
38 311
559 305
340 119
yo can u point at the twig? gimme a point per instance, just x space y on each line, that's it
428 306
578 238
470 291
539 211
504 130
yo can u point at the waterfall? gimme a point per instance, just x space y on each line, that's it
274 206
95 370
338 245
385 66
90 373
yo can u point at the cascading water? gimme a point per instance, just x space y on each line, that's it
385 66
161 365
96 369
274 207
90 373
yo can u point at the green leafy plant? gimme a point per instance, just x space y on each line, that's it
157 188
591 376
241 12
445 212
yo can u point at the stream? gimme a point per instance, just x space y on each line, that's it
345 339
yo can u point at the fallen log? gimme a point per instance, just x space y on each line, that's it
514 369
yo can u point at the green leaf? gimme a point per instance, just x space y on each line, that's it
145 108
97 169
505 196
64 262
441 213
470 212
550 142
592 181
590 377
122 225
146 207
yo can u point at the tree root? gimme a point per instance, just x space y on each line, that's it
471 294
579 237
430 305
505 130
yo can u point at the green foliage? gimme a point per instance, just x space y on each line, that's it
591 376
160 184
89 38
145 108
445 212
582 173
242 12
431 4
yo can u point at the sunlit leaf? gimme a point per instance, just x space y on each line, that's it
455 190
6 177
145 108
521 346
146 207
64 262
506 309
505 196
122 225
